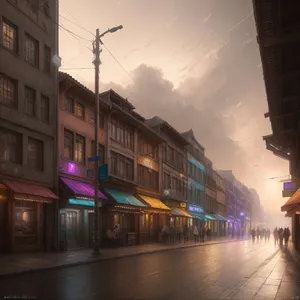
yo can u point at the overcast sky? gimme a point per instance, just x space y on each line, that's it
195 63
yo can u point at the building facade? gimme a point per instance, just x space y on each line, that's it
174 172
221 204
210 204
28 125
76 174
196 177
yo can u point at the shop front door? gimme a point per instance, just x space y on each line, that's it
72 218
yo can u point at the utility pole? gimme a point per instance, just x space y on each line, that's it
97 112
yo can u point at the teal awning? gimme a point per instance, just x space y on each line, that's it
82 202
210 217
124 198
197 164
197 186
198 217
219 217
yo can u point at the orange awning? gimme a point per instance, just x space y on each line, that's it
294 201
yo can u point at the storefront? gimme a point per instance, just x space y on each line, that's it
125 218
234 226
197 213
155 217
221 224
27 222
76 214
212 224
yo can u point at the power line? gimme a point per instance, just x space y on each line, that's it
79 26
117 61
76 68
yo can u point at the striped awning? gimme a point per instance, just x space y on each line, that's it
179 212
154 202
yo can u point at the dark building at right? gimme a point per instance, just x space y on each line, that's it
278 25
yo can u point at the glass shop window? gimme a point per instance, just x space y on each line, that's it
26 219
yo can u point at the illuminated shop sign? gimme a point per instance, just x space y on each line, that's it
83 202
289 186
193 208
183 204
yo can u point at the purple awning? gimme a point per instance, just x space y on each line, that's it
81 188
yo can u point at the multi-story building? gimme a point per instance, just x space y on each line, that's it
28 124
134 165
210 205
174 170
196 176
220 212
256 215
76 174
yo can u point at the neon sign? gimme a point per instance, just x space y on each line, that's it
71 168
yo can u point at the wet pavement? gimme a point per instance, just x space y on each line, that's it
29 262
236 270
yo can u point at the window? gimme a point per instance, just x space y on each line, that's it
147 177
114 162
31 50
8 91
10 36
122 166
80 149
35 153
68 144
47 59
69 105
11 146
122 133
129 169
167 181
30 98
45 109
79 111
101 121
101 152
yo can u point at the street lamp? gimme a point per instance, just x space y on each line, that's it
97 62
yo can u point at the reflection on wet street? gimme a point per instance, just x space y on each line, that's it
239 270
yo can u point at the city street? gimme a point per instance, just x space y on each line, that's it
237 270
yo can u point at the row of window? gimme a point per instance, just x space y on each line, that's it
9 97
196 196
10 41
210 181
173 157
196 173
122 133
210 204
75 147
35 6
147 149
148 178
77 109
121 166
11 149
175 183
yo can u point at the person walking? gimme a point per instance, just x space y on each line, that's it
196 233
185 234
202 234
268 234
276 236
281 236
258 233
253 234
286 235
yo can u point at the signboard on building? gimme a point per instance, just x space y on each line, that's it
183 204
289 188
194 208
148 163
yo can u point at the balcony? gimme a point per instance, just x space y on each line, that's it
173 194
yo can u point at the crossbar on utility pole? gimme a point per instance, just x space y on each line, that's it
97 112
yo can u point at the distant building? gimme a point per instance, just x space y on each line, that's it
196 178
